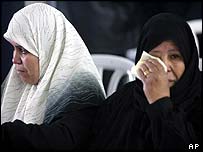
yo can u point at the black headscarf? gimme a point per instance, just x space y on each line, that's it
166 26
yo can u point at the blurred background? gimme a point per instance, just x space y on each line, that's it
110 27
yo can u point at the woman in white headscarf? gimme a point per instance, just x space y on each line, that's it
51 93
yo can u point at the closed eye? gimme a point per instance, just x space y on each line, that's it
176 57
22 50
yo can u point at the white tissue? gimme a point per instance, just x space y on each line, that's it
145 56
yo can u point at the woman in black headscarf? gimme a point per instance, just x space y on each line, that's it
162 110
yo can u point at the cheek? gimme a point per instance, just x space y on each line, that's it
27 65
179 69
32 67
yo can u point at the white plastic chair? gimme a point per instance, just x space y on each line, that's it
196 26
119 65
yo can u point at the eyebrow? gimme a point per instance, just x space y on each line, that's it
18 45
171 50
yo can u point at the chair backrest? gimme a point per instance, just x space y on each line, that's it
196 26
119 65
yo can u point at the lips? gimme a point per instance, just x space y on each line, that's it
171 80
19 70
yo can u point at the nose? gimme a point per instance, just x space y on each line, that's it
16 57
167 63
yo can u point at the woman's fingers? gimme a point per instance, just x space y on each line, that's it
156 63
141 74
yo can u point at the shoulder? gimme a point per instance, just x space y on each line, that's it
124 93
125 89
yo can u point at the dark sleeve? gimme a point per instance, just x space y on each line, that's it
70 131
171 129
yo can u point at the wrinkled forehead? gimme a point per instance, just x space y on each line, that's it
167 46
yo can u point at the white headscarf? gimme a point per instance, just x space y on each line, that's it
68 75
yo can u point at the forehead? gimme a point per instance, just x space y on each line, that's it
166 46
14 44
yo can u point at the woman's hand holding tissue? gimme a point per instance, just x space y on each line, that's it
154 77
155 83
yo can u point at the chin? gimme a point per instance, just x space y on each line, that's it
27 81
171 84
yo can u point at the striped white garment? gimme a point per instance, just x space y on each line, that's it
67 72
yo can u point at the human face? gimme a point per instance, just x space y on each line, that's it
169 53
26 64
